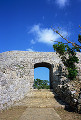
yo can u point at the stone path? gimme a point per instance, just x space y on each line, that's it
40 106
40 114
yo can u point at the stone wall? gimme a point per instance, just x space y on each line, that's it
69 91
17 73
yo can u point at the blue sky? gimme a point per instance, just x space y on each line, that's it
26 24
41 73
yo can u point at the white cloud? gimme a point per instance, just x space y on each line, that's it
45 35
30 50
62 3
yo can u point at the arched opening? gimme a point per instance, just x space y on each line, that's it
45 70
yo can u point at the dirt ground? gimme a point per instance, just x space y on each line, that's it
12 113
65 115
15 112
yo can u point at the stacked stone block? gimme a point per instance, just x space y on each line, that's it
17 74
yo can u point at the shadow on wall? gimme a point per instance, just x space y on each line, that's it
59 77
64 91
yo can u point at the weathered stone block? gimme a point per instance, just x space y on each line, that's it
17 73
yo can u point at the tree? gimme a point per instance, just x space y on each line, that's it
68 55
41 84
68 41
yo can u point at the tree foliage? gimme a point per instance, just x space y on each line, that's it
68 55
79 38
41 84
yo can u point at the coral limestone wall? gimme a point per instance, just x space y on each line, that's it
17 74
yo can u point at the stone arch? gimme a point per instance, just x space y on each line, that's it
47 65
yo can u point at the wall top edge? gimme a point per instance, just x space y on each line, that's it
16 51
24 51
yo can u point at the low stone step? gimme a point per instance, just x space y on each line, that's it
40 93
48 90
39 102
39 99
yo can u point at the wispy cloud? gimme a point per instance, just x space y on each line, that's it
43 17
62 3
45 35
32 41
30 50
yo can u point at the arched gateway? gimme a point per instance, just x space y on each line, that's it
17 73
49 66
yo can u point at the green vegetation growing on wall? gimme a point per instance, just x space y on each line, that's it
68 54
68 57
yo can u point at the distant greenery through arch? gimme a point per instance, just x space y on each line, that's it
41 84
